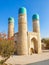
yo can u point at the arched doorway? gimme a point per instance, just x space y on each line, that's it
34 46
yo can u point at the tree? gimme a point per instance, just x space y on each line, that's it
46 41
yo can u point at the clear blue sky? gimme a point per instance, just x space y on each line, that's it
10 8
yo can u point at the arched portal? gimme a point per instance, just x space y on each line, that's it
34 46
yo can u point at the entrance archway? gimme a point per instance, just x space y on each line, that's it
34 46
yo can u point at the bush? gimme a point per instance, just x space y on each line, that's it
7 47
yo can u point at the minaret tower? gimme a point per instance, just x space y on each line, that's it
22 48
10 27
36 28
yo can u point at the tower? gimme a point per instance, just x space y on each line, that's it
36 28
22 48
10 27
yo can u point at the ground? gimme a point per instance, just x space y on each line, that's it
45 62
34 58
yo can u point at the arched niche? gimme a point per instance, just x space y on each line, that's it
33 46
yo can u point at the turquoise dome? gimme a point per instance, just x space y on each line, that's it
22 10
11 20
35 17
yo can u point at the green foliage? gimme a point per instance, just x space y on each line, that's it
43 40
46 41
2 62
6 47
47 44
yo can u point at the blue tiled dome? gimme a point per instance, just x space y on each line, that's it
11 20
35 17
22 10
